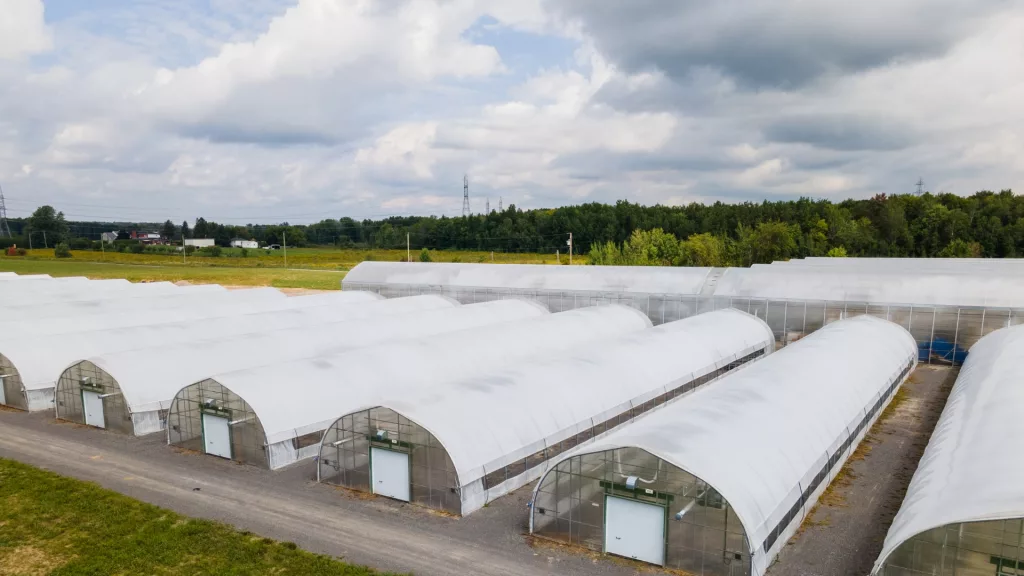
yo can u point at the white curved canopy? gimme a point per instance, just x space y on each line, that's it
508 414
41 359
324 388
148 296
760 432
144 390
634 279
971 470
47 289
882 287
183 308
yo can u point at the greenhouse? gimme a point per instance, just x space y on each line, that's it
139 396
717 482
47 289
512 421
275 415
149 296
32 364
964 509
187 307
663 293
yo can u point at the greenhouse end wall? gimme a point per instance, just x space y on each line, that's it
943 333
707 540
87 376
13 395
185 424
993 547
345 456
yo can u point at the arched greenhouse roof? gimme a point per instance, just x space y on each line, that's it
761 433
895 287
508 414
971 469
630 279
41 359
319 390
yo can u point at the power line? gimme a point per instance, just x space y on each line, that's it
5 230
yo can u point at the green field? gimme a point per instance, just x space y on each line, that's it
277 277
317 268
54 525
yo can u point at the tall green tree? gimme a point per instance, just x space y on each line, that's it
48 226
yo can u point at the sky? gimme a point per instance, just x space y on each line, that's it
299 110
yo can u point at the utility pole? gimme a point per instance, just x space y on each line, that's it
45 245
284 240
570 248
5 230
183 247
465 195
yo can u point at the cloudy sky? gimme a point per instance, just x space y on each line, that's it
270 110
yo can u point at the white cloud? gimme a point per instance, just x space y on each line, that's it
367 107
23 30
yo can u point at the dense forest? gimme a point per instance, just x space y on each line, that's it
986 224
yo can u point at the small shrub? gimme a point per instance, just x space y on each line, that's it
425 256
244 252
61 250
138 248
211 251
21 252
120 248
190 250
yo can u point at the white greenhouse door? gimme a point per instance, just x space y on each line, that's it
3 394
634 530
93 406
216 436
389 473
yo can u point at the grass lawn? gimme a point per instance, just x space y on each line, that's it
318 268
277 277
54 525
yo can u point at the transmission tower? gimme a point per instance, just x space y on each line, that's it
465 195
920 186
500 209
487 206
5 230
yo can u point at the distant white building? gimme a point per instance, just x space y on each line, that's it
108 237
239 243
199 242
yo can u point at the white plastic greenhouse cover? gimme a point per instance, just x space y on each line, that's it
191 307
322 389
761 433
508 414
101 302
41 359
634 279
896 287
29 286
146 391
971 470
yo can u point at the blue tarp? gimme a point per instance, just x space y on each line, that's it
941 349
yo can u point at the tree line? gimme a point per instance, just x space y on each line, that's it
985 224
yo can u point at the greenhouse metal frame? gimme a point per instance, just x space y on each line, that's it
710 505
532 411
330 386
964 508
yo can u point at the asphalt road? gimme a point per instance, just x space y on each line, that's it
287 505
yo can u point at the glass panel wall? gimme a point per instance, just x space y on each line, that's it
87 376
704 536
345 456
13 395
993 548
185 421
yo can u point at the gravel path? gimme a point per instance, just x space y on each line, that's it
844 534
